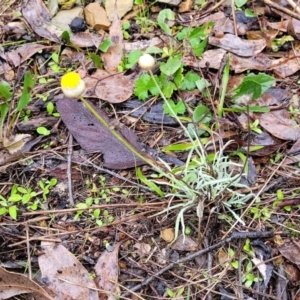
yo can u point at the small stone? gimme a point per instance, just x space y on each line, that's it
78 25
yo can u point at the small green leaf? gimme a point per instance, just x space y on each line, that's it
249 266
96 60
66 37
50 108
143 85
189 81
105 45
235 264
171 66
55 57
96 213
3 211
12 210
249 13
43 131
170 292
133 58
178 108
153 50
5 90
202 114
163 16
15 198
240 3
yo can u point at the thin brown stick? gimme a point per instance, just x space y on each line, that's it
69 169
282 9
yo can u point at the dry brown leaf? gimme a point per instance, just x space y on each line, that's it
123 6
279 124
107 270
238 46
142 45
64 274
291 252
86 39
184 243
37 15
94 137
16 142
22 53
114 88
13 284
113 56
143 249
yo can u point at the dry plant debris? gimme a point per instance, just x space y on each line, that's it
189 186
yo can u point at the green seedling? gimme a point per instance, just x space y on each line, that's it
255 126
175 294
23 196
125 27
100 217
45 185
54 63
249 278
43 131
51 110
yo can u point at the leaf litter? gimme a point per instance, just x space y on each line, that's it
274 133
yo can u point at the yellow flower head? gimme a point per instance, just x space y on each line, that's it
72 85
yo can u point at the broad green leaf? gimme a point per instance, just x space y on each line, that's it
254 85
201 114
171 66
189 81
143 85
163 16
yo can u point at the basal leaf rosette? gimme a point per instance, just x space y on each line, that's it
72 85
